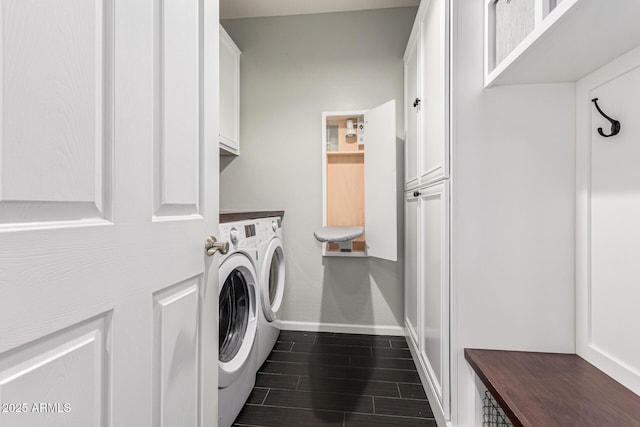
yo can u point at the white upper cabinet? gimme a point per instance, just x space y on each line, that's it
434 84
545 41
426 63
229 95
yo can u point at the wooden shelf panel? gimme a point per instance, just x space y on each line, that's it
554 389
345 191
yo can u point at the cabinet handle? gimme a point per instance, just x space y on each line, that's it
416 194
416 102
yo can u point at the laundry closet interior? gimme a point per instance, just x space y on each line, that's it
432 205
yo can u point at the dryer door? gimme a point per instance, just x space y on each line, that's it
237 317
272 279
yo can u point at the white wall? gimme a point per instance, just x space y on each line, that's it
292 69
513 213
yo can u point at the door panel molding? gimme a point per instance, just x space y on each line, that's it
412 255
56 101
79 359
177 139
175 354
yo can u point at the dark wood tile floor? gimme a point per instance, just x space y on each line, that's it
313 379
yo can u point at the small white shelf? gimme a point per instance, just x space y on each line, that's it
345 254
574 39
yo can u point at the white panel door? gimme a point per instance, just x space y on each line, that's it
608 230
108 189
434 278
411 268
434 84
381 208
411 111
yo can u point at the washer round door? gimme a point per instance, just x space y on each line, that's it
272 279
237 317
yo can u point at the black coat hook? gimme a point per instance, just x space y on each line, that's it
615 125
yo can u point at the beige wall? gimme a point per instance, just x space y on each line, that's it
292 69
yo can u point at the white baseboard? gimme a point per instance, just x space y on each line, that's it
428 387
289 325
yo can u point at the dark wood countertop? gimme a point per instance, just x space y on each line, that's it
554 389
232 216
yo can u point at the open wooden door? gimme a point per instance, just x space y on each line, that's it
108 189
381 205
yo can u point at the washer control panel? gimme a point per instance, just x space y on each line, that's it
266 228
250 233
239 234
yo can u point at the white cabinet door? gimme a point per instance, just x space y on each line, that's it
380 196
229 95
434 278
434 84
411 264
411 112
109 186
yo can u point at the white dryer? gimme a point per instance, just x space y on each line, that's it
237 299
271 282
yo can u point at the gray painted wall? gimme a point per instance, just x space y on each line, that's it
292 69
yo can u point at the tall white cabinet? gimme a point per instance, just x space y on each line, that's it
427 200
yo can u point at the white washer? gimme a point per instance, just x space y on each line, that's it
237 299
271 268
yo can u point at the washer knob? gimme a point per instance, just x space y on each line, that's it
274 225
233 236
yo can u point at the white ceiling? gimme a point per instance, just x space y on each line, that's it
230 9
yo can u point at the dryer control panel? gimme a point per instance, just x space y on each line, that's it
268 228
